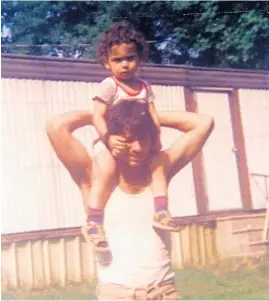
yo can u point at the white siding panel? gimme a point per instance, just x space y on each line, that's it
254 106
38 193
181 190
220 162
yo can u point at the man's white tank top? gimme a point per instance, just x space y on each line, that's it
140 254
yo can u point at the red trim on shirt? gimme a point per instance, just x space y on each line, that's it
127 92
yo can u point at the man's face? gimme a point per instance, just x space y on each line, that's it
138 150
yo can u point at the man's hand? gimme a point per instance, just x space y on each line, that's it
117 145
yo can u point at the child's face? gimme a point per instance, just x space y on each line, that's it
123 61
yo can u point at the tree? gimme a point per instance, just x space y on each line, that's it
225 34
199 33
46 23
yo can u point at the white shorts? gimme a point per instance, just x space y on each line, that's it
98 147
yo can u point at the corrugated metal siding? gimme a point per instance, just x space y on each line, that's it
255 117
38 193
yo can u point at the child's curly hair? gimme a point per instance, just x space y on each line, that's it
122 32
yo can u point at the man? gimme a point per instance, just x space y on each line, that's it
140 263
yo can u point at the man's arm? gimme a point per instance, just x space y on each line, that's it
69 150
197 128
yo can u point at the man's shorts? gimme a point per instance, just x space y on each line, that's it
98 147
164 291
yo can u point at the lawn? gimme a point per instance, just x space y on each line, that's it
229 280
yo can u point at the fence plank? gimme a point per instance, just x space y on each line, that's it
25 265
9 266
38 264
73 259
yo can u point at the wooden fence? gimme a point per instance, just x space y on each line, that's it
59 260
58 257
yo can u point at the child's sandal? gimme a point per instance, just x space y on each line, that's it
95 235
164 221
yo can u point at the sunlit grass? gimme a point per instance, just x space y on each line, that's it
231 279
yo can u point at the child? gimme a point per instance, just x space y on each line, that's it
121 50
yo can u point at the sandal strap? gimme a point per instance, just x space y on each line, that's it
96 233
164 217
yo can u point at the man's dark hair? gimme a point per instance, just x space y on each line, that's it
131 116
118 33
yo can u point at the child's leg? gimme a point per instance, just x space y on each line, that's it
159 187
104 168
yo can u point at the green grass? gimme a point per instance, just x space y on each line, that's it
72 292
226 281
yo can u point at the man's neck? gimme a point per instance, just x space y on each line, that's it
133 179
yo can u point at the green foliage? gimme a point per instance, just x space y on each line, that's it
232 34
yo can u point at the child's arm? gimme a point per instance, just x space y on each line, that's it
154 115
152 108
99 113
102 99
115 143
